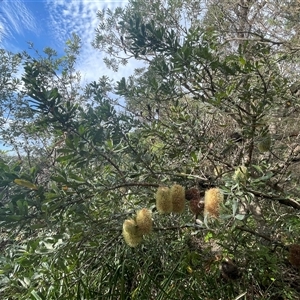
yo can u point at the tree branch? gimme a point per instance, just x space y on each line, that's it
285 201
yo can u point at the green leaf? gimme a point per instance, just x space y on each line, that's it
35 295
11 218
194 157
240 217
110 144
26 184
208 237
234 207
242 61
38 226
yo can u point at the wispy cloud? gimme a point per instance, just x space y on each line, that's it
15 18
80 16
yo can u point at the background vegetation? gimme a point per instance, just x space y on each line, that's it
218 90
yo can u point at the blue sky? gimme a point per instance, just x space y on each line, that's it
49 23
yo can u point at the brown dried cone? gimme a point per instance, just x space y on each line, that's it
197 206
144 221
196 203
163 200
229 270
294 255
131 234
192 193
212 200
177 194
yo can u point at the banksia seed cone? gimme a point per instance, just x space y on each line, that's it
196 203
130 233
241 174
294 255
144 221
197 206
163 200
229 270
192 193
177 194
213 198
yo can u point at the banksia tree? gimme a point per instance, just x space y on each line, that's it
144 221
163 200
177 194
213 198
131 234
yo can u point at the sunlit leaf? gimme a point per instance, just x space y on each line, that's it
26 184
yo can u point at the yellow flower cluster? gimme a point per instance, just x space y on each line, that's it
130 233
173 200
212 200
134 229
170 199
163 200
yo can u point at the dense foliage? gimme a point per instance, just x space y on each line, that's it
215 104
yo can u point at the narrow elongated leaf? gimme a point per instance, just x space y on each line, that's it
25 183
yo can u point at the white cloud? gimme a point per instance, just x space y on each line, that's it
15 18
80 16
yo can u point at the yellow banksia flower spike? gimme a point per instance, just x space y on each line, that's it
163 200
177 193
144 221
212 200
130 226
131 234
